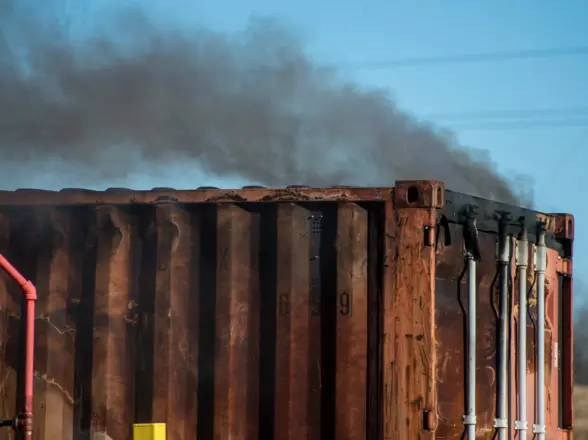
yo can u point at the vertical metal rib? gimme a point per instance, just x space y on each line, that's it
9 319
175 351
390 424
352 322
297 401
56 335
114 313
236 399
37 249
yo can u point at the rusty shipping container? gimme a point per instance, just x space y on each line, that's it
287 314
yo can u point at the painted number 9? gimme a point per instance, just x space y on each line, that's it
345 304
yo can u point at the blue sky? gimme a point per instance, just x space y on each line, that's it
345 33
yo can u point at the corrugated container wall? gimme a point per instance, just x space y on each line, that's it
285 314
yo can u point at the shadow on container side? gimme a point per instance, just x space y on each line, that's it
284 314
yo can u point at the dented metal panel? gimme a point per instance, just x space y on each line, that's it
296 313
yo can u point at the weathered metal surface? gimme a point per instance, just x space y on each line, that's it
124 196
9 331
216 319
298 342
295 313
451 313
451 310
409 332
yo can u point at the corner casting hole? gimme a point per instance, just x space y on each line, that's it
412 194
570 227
439 196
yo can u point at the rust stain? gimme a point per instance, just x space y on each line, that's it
451 342
451 312
298 345
112 394
237 325
124 196
411 382
351 322
294 313
176 318
9 330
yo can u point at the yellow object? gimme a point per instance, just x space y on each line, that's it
149 431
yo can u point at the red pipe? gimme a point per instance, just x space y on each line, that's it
24 421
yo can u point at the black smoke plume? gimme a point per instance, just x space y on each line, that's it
252 104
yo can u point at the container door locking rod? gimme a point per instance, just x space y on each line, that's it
472 255
522 262
540 268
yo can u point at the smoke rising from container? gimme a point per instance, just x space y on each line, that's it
252 105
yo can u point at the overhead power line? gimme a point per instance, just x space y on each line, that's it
470 58
506 114
519 125
516 119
